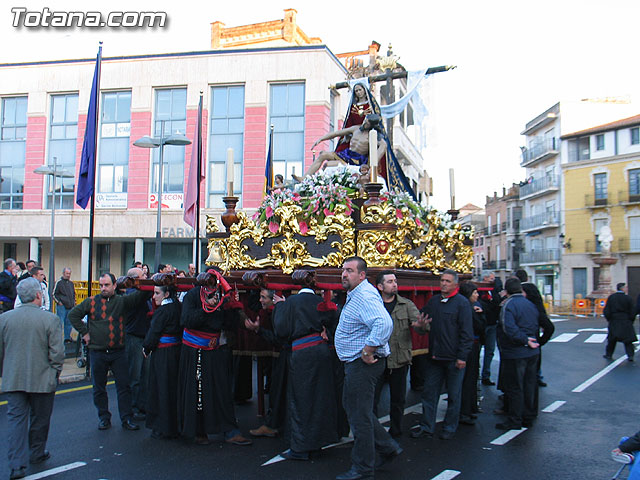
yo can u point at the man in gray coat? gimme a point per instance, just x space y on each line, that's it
31 358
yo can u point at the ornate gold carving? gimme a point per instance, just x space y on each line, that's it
289 253
212 225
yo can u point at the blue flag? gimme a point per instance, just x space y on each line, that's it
268 170
87 173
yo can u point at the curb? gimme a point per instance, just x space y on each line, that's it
71 379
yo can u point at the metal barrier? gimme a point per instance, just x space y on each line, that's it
81 290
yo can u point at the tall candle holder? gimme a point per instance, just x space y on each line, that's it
373 194
229 217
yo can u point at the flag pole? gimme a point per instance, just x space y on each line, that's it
199 156
93 187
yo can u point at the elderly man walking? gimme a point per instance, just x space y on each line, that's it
31 358
362 343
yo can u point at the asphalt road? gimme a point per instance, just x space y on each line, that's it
571 442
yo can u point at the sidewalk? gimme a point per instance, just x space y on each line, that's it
71 372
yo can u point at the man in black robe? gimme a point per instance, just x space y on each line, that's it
301 321
205 398
620 313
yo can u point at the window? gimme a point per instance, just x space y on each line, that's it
635 136
634 234
13 133
113 161
287 116
600 142
498 215
63 131
600 190
634 185
10 250
171 118
227 131
583 148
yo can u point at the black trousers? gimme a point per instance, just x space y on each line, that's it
101 362
397 379
469 401
520 389
611 346
418 367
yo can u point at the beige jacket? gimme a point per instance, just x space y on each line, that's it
403 315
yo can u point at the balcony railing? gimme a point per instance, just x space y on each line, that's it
626 197
502 264
538 185
503 227
490 265
494 229
628 244
540 150
591 201
541 256
541 220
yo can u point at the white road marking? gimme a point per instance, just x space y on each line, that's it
564 337
593 329
510 435
54 471
412 409
554 406
558 320
446 475
583 386
596 338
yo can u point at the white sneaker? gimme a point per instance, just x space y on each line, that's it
625 458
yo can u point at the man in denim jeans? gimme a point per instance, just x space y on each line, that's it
362 343
64 294
450 341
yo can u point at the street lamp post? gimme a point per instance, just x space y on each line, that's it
155 142
54 172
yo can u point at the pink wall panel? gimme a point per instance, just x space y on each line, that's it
139 161
255 155
34 157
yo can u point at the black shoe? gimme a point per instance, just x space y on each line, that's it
445 435
507 426
527 423
466 420
18 473
105 424
139 416
387 458
395 434
419 432
487 381
542 383
629 359
473 416
608 357
352 474
46 455
291 455
129 425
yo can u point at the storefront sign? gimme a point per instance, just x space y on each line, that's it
170 201
111 200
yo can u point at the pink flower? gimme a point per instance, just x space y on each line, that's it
273 227
398 213
327 212
304 228
348 211
269 212
418 222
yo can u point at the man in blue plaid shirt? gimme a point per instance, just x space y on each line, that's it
361 342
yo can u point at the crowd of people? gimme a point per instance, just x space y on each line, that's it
172 361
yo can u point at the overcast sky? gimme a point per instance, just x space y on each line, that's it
514 60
